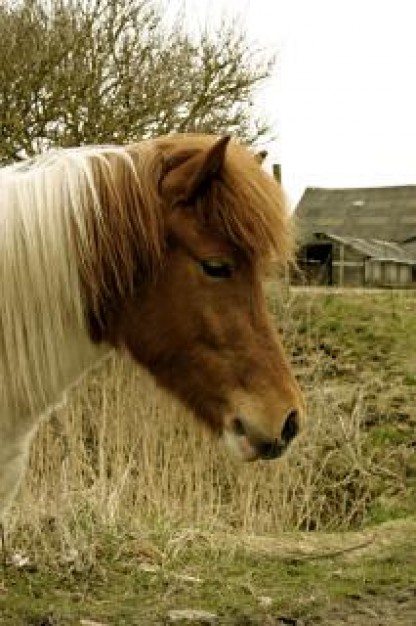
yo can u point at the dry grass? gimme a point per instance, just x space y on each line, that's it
121 454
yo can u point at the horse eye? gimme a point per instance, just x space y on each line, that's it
218 268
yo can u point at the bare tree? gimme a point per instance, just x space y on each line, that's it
105 71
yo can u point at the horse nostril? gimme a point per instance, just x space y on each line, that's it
238 427
290 427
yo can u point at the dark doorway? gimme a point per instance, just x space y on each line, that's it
318 263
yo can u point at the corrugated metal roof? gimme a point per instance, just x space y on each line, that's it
375 249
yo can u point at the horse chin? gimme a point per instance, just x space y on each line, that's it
239 448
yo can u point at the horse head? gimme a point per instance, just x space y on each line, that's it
198 321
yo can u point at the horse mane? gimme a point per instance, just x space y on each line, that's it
74 225
120 237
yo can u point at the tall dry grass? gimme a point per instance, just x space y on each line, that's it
121 454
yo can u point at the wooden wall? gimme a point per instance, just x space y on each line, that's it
328 262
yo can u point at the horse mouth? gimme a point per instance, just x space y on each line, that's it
239 447
243 449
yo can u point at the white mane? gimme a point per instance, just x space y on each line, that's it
41 304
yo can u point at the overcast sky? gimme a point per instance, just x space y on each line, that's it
343 96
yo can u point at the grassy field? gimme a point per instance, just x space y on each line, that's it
131 511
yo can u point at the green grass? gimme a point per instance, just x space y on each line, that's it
133 584
367 340
374 330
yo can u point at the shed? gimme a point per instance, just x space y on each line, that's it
357 237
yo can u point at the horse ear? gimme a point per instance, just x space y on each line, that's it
186 173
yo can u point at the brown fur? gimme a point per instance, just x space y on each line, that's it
187 199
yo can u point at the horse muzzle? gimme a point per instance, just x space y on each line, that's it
248 444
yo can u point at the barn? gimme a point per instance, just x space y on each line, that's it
357 237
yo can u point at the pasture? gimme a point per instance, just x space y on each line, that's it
131 510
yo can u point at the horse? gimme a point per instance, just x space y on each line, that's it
158 248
